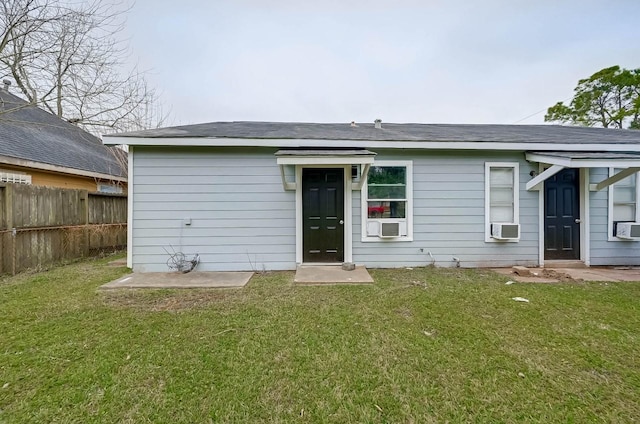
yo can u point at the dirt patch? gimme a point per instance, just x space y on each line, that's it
555 275
538 275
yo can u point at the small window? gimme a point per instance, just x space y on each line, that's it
387 201
14 177
501 199
623 201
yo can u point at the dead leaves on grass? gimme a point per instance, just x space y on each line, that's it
160 301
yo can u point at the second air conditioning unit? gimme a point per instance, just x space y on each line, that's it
628 230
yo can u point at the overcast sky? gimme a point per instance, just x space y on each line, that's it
400 61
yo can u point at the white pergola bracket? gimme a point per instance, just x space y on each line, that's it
286 184
363 177
535 182
613 179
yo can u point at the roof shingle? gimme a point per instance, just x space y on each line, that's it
30 133
397 132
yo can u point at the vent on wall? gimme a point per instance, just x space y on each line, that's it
109 188
505 231
12 177
628 230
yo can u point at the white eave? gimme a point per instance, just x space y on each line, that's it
324 157
372 144
321 157
628 162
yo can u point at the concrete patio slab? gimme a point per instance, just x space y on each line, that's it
331 274
603 274
554 275
174 280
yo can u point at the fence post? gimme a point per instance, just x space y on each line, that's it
8 216
3 227
84 200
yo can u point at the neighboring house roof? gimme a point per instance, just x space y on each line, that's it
457 136
30 136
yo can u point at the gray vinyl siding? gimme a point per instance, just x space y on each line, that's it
241 218
449 215
603 251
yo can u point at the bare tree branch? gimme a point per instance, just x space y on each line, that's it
67 58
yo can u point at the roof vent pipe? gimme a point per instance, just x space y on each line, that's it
6 83
378 123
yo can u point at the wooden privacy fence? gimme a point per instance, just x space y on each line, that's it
41 225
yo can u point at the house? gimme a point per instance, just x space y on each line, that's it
267 195
39 148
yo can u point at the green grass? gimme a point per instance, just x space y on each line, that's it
422 345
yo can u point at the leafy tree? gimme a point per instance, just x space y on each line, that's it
609 98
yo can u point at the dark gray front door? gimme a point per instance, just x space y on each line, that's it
562 215
323 215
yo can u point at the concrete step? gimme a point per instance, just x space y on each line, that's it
564 264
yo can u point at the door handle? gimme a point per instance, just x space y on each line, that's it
341 222
577 221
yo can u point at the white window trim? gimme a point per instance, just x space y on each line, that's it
487 198
364 197
611 188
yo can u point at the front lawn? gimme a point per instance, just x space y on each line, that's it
423 345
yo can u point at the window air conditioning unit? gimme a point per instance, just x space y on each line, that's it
386 229
503 231
628 230
389 229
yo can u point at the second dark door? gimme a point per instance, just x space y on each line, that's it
323 215
562 215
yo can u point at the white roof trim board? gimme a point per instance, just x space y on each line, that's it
369 144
